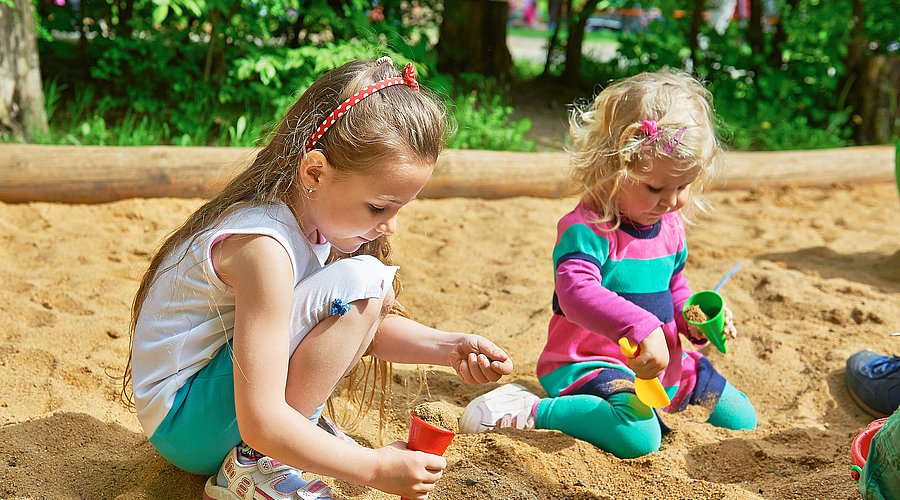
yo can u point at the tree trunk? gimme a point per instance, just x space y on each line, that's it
22 111
873 96
212 48
780 36
575 43
126 12
872 86
554 39
694 34
755 30
857 48
757 43
473 38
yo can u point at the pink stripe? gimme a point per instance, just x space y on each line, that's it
263 493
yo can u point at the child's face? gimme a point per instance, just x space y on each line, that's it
666 188
353 209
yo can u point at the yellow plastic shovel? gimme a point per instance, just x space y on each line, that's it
650 392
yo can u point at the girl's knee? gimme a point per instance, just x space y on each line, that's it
621 424
363 283
733 411
638 439
637 432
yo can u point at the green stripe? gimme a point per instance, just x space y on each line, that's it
580 238
681 256
638 276
625 276
566 375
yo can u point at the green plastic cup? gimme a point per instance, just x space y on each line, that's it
713 305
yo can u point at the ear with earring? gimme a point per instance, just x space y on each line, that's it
311 168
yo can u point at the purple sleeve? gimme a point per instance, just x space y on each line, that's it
585 302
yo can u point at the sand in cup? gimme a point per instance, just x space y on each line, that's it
424 435
428 437
712 305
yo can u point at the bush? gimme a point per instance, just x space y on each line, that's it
484 122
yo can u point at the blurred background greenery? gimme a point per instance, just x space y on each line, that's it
786 74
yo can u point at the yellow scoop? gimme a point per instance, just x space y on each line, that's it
650 392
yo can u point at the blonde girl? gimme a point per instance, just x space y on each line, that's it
243 326
642 151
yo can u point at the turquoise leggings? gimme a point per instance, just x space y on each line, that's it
627 428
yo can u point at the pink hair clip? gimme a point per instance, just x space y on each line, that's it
649 127
672 144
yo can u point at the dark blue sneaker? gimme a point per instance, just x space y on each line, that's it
873 381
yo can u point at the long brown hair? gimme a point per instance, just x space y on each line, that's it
396 124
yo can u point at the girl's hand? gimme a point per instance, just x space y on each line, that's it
694 334
410 474
730 330
653 356
477 360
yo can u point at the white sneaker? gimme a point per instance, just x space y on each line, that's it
245 475
506 406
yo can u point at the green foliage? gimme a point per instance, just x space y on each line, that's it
201 72
770 101
483 118
221 72
484 122
882 26
217 72
527 70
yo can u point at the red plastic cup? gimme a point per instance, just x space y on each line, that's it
426 437
859 448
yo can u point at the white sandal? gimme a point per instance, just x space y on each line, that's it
264 478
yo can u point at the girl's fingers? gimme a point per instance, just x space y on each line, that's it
465 373
502 367
483 370
477 375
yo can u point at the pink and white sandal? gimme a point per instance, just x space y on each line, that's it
248 475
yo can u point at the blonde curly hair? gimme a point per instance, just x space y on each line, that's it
663 114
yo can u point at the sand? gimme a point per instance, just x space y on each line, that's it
820 281
439 414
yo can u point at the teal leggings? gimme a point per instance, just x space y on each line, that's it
627 428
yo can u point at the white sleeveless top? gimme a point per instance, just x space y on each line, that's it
188 314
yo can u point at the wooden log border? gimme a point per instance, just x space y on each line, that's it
89 174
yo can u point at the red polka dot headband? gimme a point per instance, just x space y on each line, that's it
408 78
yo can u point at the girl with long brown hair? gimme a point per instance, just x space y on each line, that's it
267 297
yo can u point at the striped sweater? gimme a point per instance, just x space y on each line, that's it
609 285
